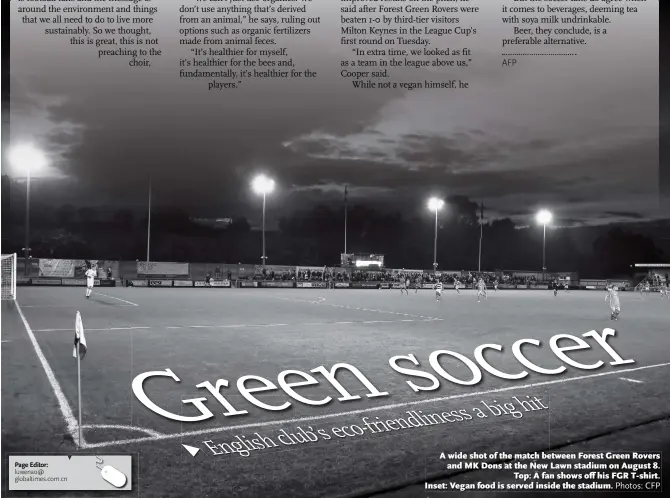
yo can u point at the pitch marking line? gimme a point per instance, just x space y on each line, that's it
93 427
70 305
353 307
367 410
68 415
51 306
243 325
632 380
129 303
92 330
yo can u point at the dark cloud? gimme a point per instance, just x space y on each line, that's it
573 135
625 214
21 100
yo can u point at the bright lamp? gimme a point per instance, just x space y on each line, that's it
27 158
263 185
544 217
435 204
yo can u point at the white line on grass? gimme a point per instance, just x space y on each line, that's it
92 330
73 305
632 380
151 432
366 410
352 307
51 306
117 298
68 415
245 325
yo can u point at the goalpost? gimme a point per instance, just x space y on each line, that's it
8 277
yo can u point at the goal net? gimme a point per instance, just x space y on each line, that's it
8 277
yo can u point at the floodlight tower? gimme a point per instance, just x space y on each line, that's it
26 158
544 217
435 204
263 185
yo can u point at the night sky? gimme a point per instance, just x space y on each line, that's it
576 134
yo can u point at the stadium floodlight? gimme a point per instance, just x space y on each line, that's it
263 185
435 204
27 158
544 217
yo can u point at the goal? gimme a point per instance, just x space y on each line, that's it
8 277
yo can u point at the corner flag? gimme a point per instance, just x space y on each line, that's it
79 338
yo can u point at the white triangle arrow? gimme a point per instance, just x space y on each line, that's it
192 450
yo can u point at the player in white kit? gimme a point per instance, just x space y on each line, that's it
613 298
481 290
90 281
438 290
665 293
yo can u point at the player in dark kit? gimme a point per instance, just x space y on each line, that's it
404 284
555 286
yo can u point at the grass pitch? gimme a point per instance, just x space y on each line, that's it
210 334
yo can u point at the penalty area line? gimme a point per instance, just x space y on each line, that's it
117 298
632 380
366 410
244 325
93 329
344 306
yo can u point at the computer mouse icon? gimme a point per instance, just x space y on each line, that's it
113 476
